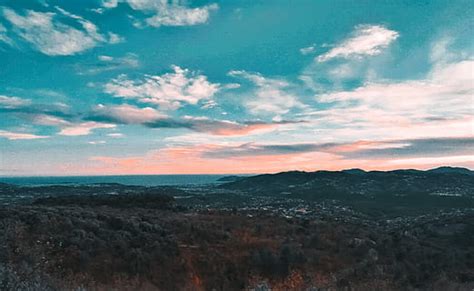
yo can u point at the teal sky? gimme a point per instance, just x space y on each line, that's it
162 87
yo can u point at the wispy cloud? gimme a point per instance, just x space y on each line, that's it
55 115
170 90
107 63
13 102
366 40
166 13
109 116
3 35
308 50
116 135
18 135
25 109
411 148
149 117
70 128
270 96
83 128
50 35
358 150
125 114
97 142
230 128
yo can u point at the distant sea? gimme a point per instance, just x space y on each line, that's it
140 180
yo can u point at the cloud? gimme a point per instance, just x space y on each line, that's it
115 38
412 148
108 63
103 116
359 150
48 34
116 135
308 50
97 142
418 108
229 128
270 96
83 128
366 40
3 35
149 117
13 102
125 114
445 92
170 90
110 3
254 149
17 135
25 109
105 58
167 13
70 128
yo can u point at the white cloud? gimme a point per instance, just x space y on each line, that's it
170 90
105 58
13 102
209 104
167 13
115 135
17 135
442 102
366 40
175 15
447 89
308 50
129 114
115 38
270 96
342 71
97 142
110 3
53 37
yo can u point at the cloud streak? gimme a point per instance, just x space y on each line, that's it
152 118
360 150
366 40
108 63
9 102
18 135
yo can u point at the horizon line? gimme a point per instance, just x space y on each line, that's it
230 174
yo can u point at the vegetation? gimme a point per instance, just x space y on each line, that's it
59 244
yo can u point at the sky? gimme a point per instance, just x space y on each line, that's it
105 87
